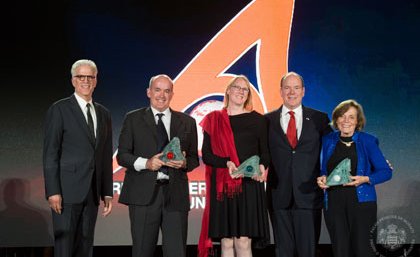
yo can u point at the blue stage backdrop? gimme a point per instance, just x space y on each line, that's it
364 50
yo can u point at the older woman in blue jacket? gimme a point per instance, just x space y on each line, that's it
350 209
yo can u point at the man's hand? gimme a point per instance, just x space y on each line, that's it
178 164
107 206
154 163
55 203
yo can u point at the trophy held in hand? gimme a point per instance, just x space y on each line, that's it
172 151
340 174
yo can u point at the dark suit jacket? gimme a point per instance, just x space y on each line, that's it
71 155
138 138
293 172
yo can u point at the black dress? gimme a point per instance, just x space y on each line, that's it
246 213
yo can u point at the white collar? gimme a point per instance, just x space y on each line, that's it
297 110
82 102
166 112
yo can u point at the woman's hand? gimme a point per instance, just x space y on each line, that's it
263 176
357 180
322 182
232 167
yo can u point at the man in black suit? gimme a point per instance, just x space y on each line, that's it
295 134
77 163
157 192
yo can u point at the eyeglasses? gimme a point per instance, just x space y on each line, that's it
238 88
85 77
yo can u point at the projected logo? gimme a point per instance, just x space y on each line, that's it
392 236
254 43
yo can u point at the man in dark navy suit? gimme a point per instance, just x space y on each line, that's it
77 163
295 134
156 192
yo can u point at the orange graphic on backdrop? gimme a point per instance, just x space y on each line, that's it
262 23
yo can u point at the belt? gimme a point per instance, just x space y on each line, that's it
161 182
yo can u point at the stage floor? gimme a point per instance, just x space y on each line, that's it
125 251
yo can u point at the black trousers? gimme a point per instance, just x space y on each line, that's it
146 221
349 223
296 231
74 228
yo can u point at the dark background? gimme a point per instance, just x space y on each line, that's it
365 50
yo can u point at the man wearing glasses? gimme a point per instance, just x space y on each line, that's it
77 160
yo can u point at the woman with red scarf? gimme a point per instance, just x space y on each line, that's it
236 209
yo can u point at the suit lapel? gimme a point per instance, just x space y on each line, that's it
80 118
277 126
306 119
175 124
151 123
100 125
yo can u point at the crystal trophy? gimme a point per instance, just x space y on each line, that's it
250 167
172 151
340 174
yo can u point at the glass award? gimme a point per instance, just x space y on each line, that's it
340 174
172 151
250 167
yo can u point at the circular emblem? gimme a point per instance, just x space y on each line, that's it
249 168
336 178
170 155
392 236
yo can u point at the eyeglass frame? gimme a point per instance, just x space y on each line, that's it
85 77
239 88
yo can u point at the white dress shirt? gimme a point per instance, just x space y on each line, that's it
140 163
82 103
285 117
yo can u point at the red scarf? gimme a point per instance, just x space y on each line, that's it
217 125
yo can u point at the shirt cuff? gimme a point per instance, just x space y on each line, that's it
140 164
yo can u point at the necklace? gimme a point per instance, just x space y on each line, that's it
347 144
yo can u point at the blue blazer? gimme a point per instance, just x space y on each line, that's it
370 162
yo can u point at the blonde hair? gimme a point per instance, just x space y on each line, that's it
248 102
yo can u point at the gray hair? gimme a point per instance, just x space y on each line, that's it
83 62
158 76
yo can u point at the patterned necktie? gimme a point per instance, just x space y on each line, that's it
291 130
162 134
90 121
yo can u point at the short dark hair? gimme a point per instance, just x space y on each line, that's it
343 107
